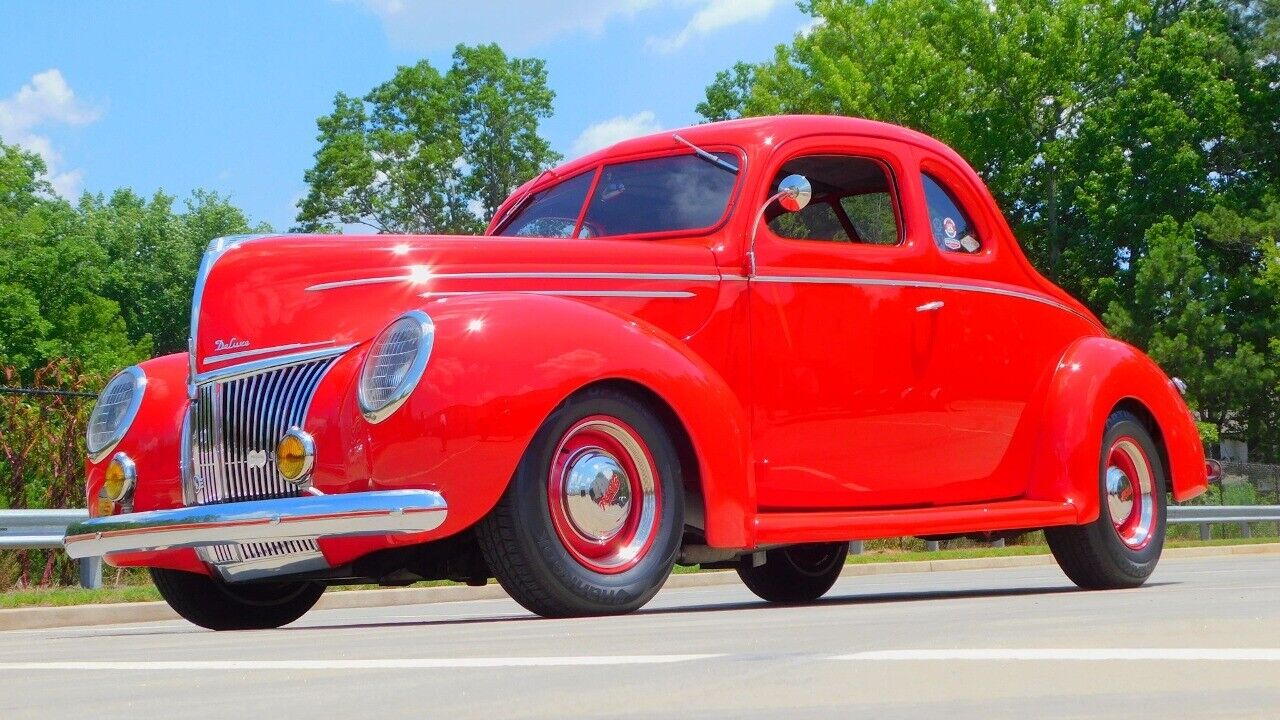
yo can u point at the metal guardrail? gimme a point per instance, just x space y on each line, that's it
1206 515
44 529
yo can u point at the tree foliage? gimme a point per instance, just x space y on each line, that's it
1133 146
430 152
105 282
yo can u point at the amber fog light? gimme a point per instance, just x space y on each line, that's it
120 478
295 454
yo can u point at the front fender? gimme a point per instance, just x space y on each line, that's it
1094 376
154 442
501 364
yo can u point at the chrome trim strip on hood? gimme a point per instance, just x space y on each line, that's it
256 366
217 247
383 512
262 351
420 277
567 293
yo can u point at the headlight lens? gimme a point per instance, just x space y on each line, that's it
120 478
117 405
394 364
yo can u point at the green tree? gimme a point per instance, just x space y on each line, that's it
104 283
429 152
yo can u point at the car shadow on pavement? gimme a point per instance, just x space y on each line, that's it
890 597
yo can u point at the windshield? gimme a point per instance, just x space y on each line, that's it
666 194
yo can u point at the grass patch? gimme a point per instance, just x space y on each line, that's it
66 596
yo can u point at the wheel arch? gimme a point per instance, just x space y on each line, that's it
492 389
1095 377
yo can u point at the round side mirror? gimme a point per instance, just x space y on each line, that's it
796 191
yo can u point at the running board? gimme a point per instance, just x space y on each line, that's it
782 528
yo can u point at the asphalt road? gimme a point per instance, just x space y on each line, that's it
1202 639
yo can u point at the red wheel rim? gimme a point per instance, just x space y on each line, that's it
1129 492
604 494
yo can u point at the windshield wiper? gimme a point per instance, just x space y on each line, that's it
709 157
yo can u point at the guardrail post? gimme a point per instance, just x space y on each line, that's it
997 543
1245 530
1204 531
931 545
855 547
91 573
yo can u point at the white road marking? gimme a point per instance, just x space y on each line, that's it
369 664
1086 654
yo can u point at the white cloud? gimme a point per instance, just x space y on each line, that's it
425 25
607 132
45 100
714 15
812 24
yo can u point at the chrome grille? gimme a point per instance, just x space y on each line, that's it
232 553
235 425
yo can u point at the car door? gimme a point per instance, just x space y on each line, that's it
838 415
996 341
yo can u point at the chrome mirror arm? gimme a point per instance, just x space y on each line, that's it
755 226
794 193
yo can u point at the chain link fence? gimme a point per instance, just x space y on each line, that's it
42 423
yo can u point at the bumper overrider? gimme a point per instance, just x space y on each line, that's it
386 512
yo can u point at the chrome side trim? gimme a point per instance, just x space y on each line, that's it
419 278
217 247
569 293
272 363
383 512
965 287
262 351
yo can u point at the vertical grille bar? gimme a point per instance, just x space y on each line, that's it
236 423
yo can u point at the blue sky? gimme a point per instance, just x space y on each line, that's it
224 95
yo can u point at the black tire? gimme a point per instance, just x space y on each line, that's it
216 605
533 562
795 574
1094 556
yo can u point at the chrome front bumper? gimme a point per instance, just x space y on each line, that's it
384 512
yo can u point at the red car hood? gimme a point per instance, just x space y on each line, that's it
265 296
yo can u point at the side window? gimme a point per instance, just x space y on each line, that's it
853 202
953 231
552 213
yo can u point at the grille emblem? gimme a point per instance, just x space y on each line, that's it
256 459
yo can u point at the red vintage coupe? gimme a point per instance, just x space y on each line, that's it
741 344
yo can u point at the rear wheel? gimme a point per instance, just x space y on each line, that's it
213 604
591 522
1121 548
798 573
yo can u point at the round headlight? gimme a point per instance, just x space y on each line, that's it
117 405
394 364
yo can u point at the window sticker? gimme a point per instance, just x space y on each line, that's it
949 227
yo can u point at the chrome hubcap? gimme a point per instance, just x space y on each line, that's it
1119 493
1130 493
597 494
603 494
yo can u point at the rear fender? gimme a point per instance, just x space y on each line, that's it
502 363
1094 376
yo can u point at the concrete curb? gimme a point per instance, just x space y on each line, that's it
38 618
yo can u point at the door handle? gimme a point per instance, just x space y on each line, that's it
930 306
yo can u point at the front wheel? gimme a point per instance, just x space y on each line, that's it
797 573
1121 548
213 604
591 522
